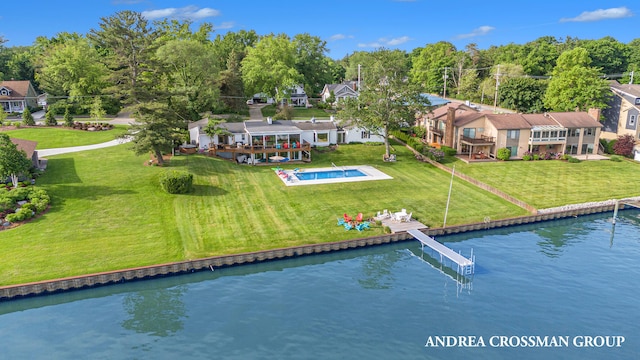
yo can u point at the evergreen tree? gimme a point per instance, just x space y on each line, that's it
50 118
68 119
27 118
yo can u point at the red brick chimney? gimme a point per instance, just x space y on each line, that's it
448 131
595 113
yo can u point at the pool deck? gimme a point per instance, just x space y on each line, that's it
370 172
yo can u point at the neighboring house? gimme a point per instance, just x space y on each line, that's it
348 89
296 96
29 147
482 133
15 96
621 116
255 141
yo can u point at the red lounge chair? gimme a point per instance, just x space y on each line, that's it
359 217
347 218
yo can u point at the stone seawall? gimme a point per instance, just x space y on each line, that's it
149 272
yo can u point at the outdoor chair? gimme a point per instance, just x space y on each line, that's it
359 217
407 218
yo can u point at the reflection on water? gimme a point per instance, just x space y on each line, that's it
155 312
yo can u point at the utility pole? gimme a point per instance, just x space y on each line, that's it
631 79
445 83
358 77
495 100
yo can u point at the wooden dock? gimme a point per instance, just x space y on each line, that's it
464 266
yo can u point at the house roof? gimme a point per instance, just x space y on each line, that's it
540 120
578 119
460 110
27 146
317 125
277 126
464 117
508 121
630 89
19 88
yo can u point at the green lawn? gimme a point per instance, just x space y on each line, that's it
49 138
552 183
108 211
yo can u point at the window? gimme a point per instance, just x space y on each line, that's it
589 131
513 134
637 101
469 132
536 134
4 92
514 150
632 120
365 134
323 137
574 132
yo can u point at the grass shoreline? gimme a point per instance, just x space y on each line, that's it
108 212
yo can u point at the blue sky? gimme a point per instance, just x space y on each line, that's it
347 25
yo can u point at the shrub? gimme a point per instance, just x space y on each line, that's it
536 157
19 194
419 147
27 118
573 160
6 203
504 154
175 182
285 113
526 157
624 145
607 145
50 119
68 119
20 215
449 151
435 154
616 158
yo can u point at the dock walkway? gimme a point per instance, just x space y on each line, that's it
467 266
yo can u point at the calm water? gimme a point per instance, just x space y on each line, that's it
570 278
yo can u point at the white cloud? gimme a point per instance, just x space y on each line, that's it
382 42
224 25
188 12
340 37
601 14
482 30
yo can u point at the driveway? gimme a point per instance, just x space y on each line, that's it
255 111
66 150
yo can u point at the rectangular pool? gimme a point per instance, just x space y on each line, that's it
331 174
315 176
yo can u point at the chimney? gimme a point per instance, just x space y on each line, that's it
448 132
595 113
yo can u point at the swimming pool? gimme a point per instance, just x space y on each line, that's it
315 176
331 174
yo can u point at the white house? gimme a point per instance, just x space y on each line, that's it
257 140
340 91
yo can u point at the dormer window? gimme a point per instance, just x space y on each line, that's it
637 101
4 92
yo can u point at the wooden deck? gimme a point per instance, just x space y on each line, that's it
396 226
248 149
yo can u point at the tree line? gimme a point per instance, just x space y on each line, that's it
169 72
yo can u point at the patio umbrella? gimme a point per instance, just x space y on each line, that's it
276 158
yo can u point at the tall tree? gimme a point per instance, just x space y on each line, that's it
270 67
127 43
71 68
157 130
13 162
429 67
311 62
575 85
523 94
634 62
540 56
387 100
191 76
608 55
230 84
